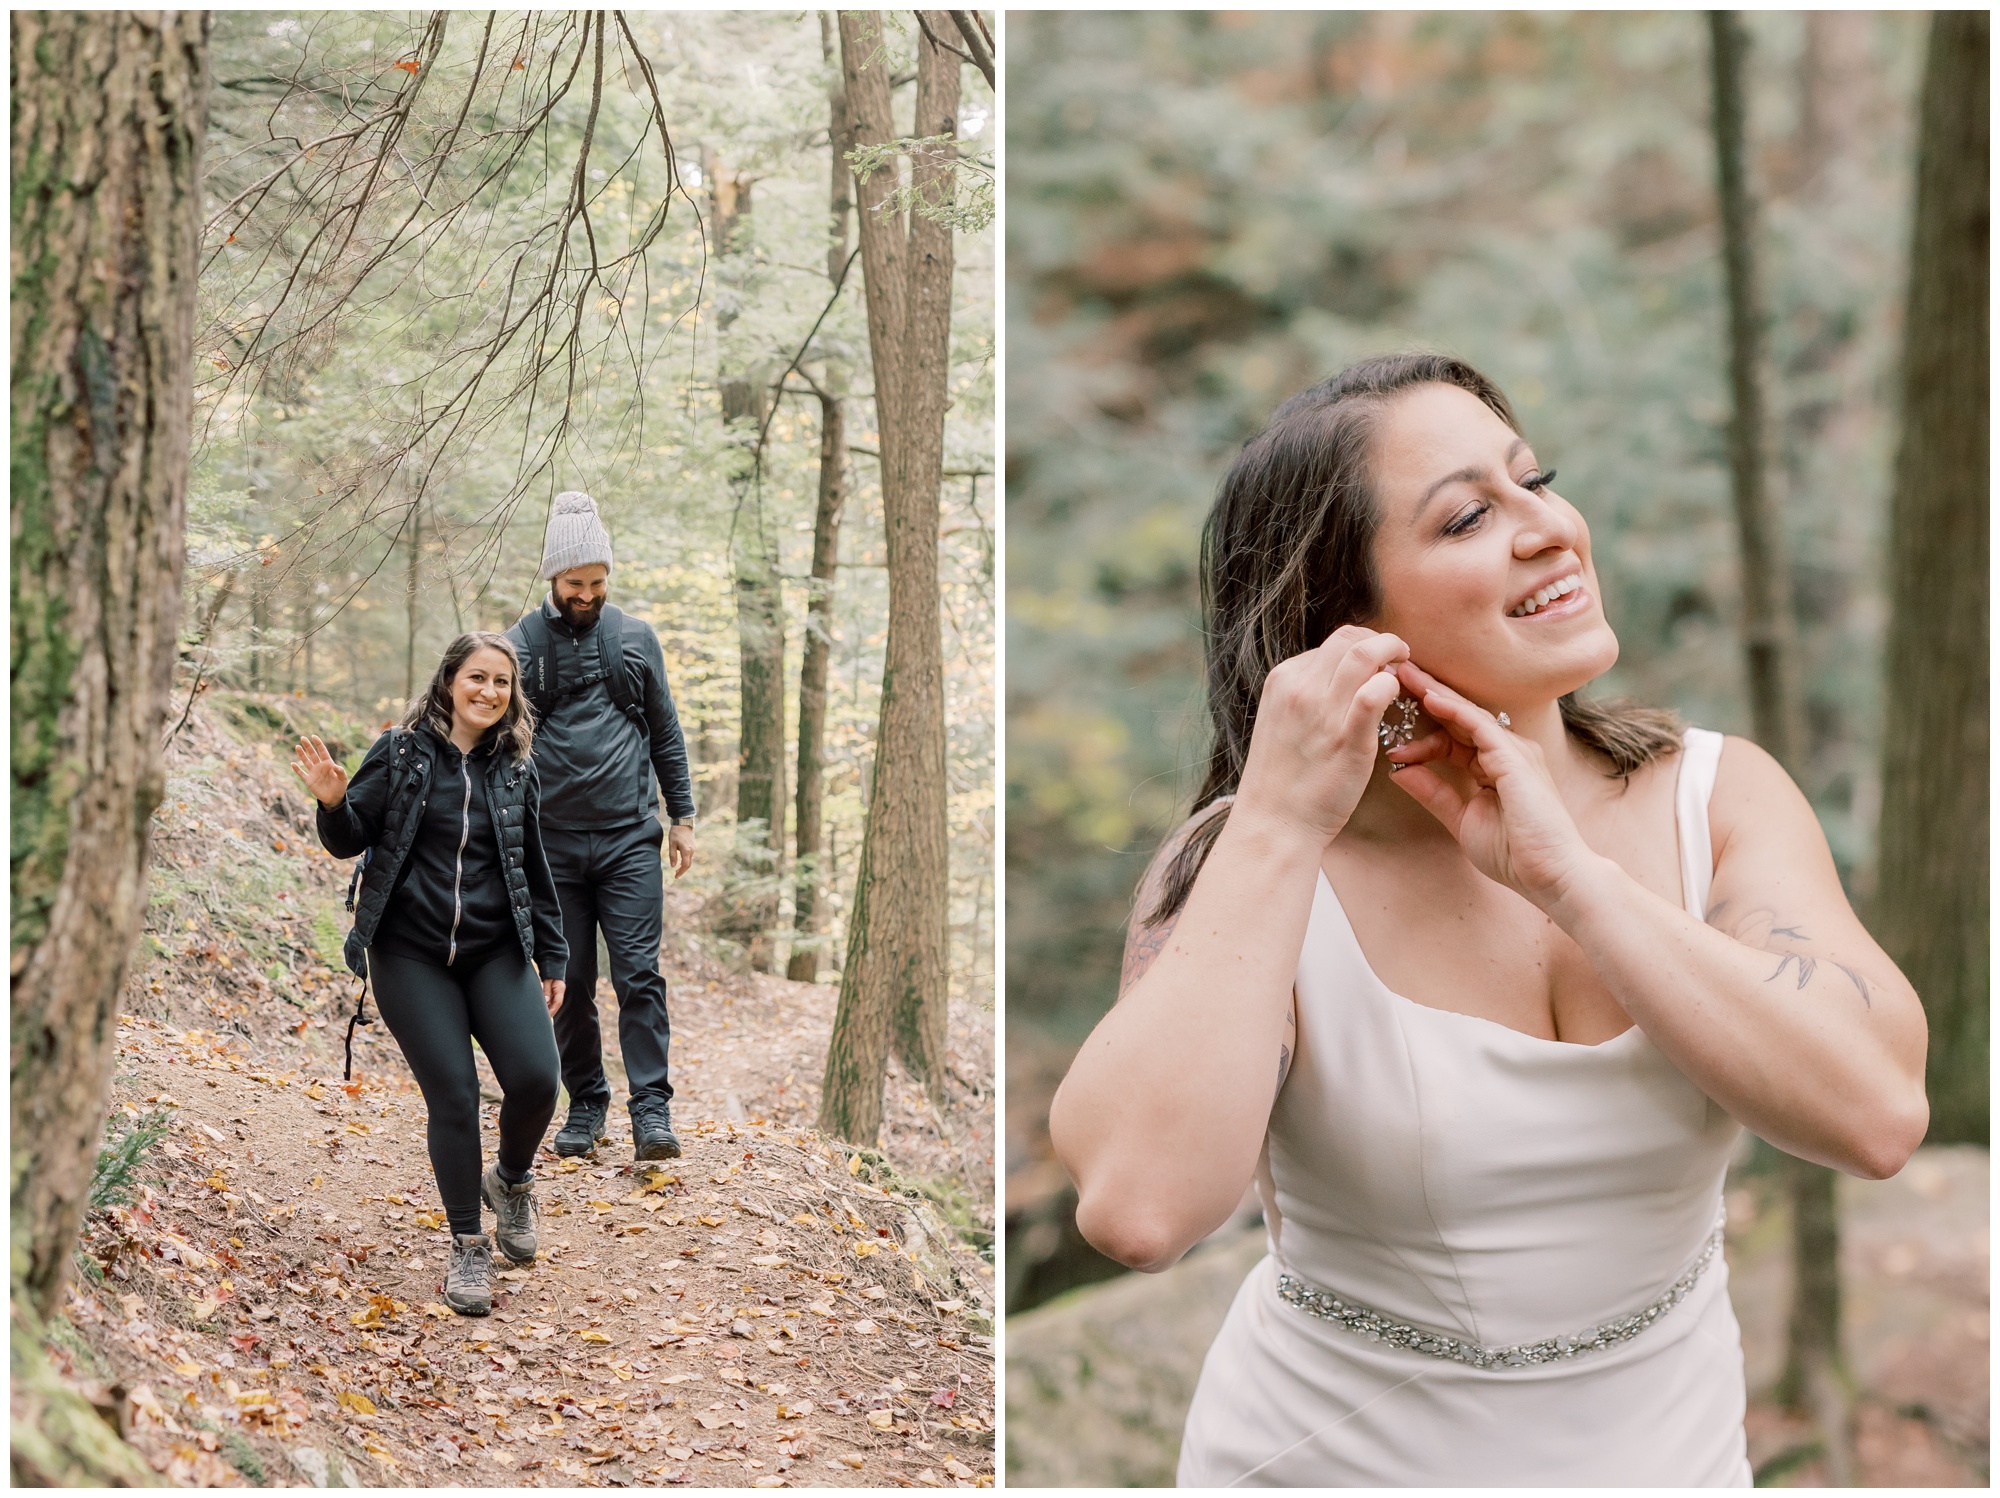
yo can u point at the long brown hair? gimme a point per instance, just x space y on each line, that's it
514 733
1287 557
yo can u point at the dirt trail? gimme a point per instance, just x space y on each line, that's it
770 1310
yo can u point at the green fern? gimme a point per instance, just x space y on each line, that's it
122 1160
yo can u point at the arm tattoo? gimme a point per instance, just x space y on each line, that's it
1807 967
1143 945
1860 983
1758 928
1285 1051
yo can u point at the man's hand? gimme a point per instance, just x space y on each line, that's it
552 994
680 849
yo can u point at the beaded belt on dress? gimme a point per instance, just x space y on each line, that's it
1324 1304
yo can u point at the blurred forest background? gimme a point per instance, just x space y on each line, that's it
1208 212
383 485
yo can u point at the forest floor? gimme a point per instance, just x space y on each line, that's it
771 1310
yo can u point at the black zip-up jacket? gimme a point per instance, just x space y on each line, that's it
599 767
412 808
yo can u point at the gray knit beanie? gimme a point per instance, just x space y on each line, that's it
575 537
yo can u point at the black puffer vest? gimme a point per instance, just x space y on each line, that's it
412 769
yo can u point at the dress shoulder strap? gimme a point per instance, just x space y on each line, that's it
1701 753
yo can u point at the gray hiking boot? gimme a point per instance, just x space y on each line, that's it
583 1130
468 1283
653 1135
515 1208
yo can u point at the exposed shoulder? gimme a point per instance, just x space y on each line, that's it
1755 798
1156 871
1146 938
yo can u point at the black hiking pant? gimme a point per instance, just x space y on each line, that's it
435 1012
610 881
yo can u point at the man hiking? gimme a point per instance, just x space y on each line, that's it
606 734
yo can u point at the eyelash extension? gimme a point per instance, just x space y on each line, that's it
1539 481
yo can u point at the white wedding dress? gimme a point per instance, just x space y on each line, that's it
1446 1180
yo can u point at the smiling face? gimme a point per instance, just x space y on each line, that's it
482 689
1483 570
579 593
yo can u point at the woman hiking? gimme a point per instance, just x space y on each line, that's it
456 903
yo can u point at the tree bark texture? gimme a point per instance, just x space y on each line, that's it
1769 635
109 111
807 919
808 878
1931 906
760 754
1813 1375
893 984
749 906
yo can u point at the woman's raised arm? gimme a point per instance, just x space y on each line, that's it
1162 1116
1780 1006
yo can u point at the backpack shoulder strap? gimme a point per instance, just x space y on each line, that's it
538 671
611 660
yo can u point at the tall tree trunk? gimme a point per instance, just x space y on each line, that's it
109 111
1930 911
803 965
760 756
893 984
808 878
1814 1375
749 907
413 584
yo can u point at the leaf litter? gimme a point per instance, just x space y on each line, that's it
773 1309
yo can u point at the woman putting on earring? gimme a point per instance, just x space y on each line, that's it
456 904
1480 1006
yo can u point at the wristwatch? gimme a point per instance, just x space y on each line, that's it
687 822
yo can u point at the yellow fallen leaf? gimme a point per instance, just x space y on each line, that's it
865 1250
593 1336
315 1092
216 1182
432 1308
806 1219
854 1165
882 1419
709 1222
356 1126
361 1404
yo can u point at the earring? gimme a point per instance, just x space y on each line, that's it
1399 723
1505 721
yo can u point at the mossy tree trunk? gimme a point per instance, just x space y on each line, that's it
1930 910
893 984
109 112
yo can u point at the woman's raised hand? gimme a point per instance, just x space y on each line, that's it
1313 747
320 771
1492 791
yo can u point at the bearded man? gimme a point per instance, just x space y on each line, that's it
608 746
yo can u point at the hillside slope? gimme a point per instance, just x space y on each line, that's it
771 1310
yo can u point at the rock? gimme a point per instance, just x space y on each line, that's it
311 1464
1099 1380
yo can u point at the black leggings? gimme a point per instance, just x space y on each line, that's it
434 1012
